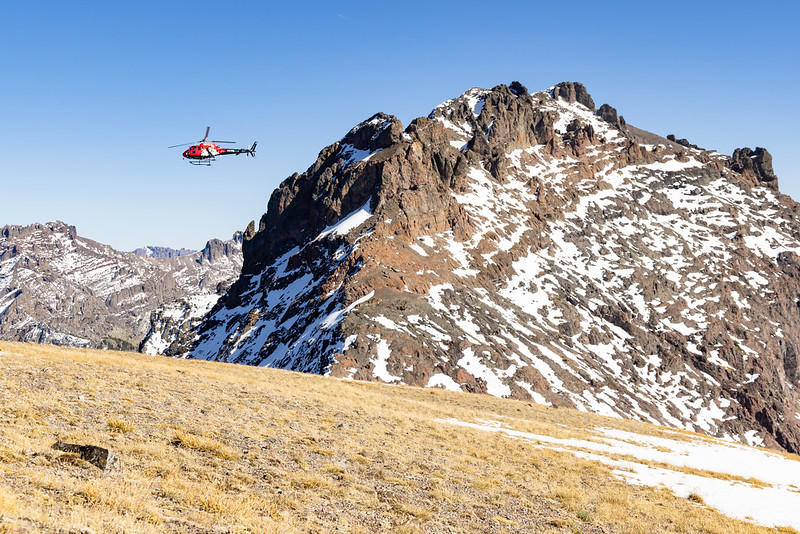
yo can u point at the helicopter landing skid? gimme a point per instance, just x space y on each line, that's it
202 163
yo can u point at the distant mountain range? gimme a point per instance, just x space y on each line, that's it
163 252
57 287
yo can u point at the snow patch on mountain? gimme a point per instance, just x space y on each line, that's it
349 222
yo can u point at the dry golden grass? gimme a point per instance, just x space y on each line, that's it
694 497
120 425
8 504
199 443
207 446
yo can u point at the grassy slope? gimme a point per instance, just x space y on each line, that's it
224 448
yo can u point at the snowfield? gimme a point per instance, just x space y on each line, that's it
742 482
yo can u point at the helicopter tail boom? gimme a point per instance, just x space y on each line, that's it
236 151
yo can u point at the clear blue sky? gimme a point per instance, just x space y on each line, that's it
92 93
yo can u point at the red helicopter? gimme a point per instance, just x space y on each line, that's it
203 152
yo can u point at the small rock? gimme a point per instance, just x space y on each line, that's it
97 456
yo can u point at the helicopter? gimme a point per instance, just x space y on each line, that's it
203 152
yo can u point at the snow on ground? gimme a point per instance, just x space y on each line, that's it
765 490
441 380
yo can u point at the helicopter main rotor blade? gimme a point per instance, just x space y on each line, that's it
185 144
229 142
208 129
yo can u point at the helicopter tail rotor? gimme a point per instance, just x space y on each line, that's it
252 150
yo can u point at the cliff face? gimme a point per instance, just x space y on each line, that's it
57 287
525 245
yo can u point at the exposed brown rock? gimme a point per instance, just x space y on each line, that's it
682 141
573 92
609 114
755 165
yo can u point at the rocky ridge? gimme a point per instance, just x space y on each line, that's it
162 252
528 246
57 287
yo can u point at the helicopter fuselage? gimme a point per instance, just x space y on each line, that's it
203 151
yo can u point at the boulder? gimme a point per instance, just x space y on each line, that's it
98 456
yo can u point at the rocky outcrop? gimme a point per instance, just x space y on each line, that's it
303 205
518 244
57 287
573 92
755 165
216 249
683 142
518 89
609 114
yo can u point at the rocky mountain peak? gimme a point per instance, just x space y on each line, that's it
304 205
217 248
522 245
366 164
53 227
375 133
